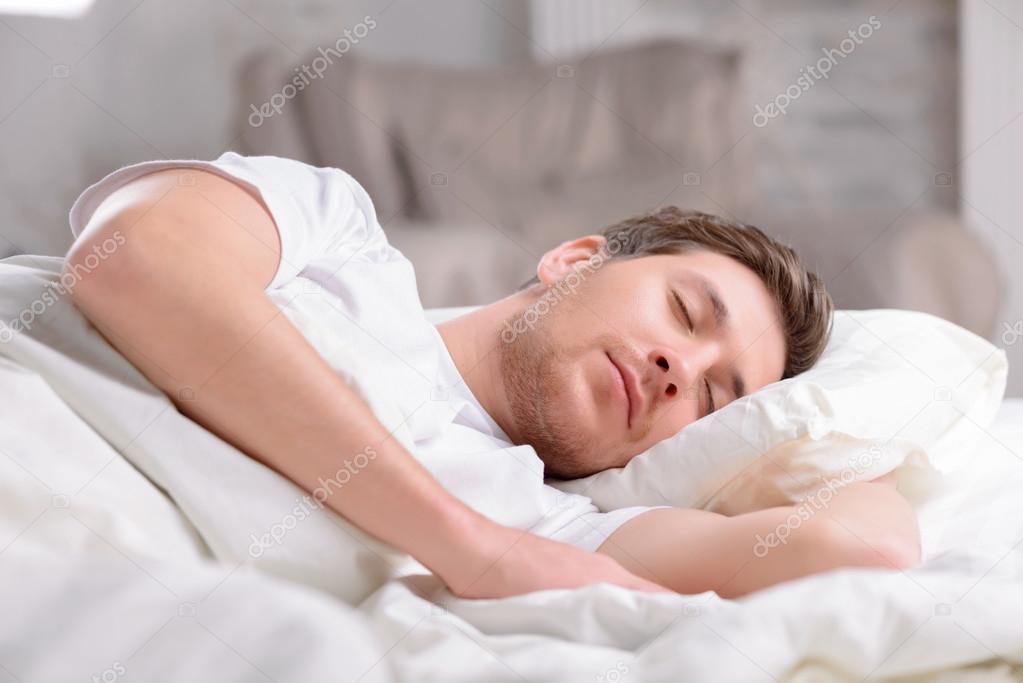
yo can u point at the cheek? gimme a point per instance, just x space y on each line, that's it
620 296
669 423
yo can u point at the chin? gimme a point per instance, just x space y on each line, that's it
561 463
575 443
564 465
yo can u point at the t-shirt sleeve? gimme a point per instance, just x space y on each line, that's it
588 531
576 521
317 211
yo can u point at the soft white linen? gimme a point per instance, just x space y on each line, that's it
103 574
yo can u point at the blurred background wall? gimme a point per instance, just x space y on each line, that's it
895 175
143 79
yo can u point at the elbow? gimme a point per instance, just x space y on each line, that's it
881 549
899 552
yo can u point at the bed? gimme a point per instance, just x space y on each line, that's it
111 567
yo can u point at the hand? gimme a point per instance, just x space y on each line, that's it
511 562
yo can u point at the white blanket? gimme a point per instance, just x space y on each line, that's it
125 551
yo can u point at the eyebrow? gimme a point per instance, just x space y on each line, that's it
722 319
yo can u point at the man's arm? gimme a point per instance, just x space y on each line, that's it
865 524
183 299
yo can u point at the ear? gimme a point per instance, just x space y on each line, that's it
560 261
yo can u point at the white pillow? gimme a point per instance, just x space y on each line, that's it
893 388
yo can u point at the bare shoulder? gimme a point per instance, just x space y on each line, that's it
186 213
185 192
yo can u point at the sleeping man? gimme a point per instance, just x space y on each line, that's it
231 275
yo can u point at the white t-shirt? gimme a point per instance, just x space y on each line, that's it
354 297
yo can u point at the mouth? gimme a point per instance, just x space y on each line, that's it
623 380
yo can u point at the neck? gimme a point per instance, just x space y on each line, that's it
474 342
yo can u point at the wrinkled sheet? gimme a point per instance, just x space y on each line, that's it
123 540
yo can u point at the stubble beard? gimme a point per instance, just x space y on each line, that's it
532 371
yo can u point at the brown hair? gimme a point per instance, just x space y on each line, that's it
804 306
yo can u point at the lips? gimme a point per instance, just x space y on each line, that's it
630 387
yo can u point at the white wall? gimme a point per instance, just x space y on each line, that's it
991 152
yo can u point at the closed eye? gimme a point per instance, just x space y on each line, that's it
685 311
711 407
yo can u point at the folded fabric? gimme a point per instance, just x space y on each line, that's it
241 511
893 390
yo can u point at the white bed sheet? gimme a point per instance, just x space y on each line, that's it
104 573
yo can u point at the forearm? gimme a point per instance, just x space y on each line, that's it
691 551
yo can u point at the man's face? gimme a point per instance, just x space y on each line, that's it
633 352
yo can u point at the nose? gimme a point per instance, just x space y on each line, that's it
680 371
